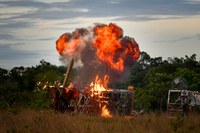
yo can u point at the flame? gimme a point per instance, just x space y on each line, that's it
97 87
106 41
107 44
104 46
100 85
105 112
112 48
67 45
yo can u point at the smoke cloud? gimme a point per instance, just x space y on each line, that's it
101 49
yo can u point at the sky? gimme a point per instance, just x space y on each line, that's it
30 28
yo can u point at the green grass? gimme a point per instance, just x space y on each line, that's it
45 121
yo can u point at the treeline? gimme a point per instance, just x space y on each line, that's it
151 77
17 86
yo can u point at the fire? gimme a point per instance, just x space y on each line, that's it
68 45
98 86
108 44
112 48
106 41
99 49
105 112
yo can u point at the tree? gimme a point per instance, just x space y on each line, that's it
48 76
155 61
3 77
144 59
158 84
192 78
143 99
137 75
190 62
16 75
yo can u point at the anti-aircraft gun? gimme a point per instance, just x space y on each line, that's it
84 100
68 72
61 95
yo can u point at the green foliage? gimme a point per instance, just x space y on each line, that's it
154 93
152 78
48 76
143 99
17 85
3 105
193 78
137 75
41 100
156 77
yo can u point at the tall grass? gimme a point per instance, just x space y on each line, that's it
31 121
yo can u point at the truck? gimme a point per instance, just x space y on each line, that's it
182 101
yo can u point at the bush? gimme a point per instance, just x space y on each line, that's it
41 100
3 105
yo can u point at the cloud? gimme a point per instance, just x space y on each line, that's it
11 56
147 17
16 25
30 23
52 14
105 8
25 3
6 37
198 36
54 1
193 37
7 52
45 39
193 1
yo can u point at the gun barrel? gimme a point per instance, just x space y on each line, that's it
69 69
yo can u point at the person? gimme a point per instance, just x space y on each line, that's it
178 100
185 106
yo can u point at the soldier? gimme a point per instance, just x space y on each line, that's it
185 106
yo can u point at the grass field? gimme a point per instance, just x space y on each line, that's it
31 121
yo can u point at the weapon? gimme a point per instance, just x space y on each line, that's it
67 74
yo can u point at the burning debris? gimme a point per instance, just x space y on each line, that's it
101 55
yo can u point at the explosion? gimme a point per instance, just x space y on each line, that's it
112 48
106 41
103 52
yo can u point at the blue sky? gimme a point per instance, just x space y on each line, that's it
29 28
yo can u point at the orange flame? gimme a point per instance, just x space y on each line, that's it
68 46
112 48
100 85
107 43
106 40
105 112
97 87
